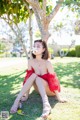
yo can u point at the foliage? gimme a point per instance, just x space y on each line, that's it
49 9
37 34
50 50
73 5
15 10
72 53
77 50
58 26
2 47
77 27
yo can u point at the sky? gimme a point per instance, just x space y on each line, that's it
65 37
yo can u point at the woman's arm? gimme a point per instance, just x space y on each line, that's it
29 64
50 67
29 72
51 71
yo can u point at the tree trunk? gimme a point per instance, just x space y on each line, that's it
21 41
45 32
30 34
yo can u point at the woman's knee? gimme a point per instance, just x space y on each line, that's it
46 86
35 87
47 89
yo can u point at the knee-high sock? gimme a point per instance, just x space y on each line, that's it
26 86
42 91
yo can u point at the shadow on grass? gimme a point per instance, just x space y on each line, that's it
33 107
10 85
68 74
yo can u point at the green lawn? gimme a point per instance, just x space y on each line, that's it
68 72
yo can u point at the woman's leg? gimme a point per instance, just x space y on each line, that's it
25 88
55 93
59 98
46 105
48 92
25 96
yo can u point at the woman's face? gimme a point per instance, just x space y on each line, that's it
38 48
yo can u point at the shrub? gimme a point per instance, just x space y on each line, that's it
62 52
72 53
14 55
77 50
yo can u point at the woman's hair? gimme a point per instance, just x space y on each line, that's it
45 54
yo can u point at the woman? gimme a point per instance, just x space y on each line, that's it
40 74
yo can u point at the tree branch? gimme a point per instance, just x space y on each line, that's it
38 19
44 10
35 4
44 6
55 10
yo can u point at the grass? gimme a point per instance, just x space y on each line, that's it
68 72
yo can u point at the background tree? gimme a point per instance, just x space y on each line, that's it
77 27
13 12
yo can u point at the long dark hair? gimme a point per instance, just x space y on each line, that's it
45 54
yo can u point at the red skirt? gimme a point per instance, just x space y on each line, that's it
51 79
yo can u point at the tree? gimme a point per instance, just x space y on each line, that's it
5 45
43 10
2 47
14 12
44 13
77 27
73 5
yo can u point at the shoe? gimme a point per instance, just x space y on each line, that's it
15 107
20 105
46 111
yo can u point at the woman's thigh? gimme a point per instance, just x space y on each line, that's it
48 92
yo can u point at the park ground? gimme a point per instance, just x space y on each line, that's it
12 72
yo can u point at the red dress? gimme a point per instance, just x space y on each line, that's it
52 79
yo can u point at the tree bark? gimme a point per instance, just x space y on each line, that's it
30 33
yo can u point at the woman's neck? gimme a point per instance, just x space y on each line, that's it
39 57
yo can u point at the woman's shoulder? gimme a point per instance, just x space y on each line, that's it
48 62
30 61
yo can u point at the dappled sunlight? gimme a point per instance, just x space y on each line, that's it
64 78
68 74
16 89
69 77
65 60
10 117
